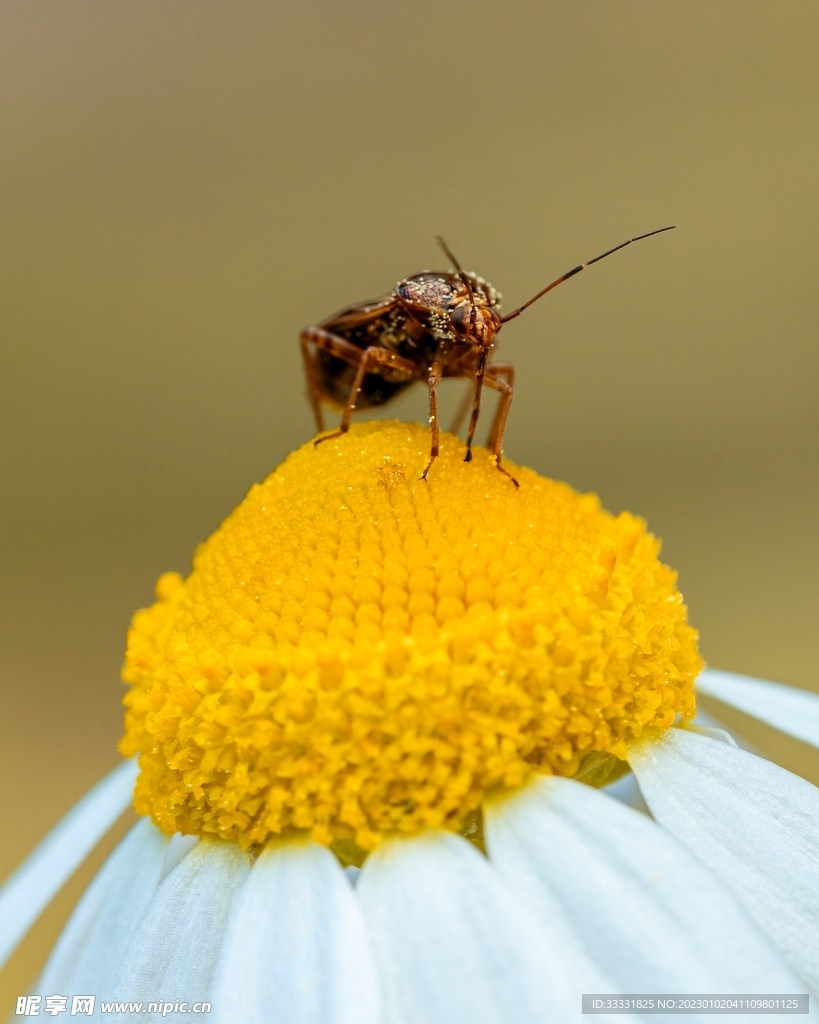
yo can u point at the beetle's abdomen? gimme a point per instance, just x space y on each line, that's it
338 376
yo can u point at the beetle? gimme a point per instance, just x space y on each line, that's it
434 324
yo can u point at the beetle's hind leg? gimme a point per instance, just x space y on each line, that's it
500 377
311 372
369 360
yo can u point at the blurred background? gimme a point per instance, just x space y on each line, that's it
184 186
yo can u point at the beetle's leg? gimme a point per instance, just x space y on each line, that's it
494 372
461 411
476 407
313 386
435 374
500 377
368 360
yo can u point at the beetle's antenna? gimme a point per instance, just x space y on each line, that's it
576 270
461 274
450 256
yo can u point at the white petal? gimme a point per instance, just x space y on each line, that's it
626 789
708 721
755 825
179 846
452 944
66 846
94 941
173 953
649 914
296 949
793 711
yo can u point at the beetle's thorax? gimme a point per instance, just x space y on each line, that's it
450 310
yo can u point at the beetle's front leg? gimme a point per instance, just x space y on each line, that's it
476 405
435 374
461 411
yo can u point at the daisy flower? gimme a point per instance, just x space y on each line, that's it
384 739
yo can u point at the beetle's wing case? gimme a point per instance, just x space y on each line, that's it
359 314
379 322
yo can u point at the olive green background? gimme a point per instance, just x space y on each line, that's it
183 185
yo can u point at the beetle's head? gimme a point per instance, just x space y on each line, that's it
475 320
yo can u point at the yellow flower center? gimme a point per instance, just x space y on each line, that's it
358 652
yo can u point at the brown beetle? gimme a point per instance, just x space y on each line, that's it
435 324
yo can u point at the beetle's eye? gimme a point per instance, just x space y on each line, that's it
459 319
